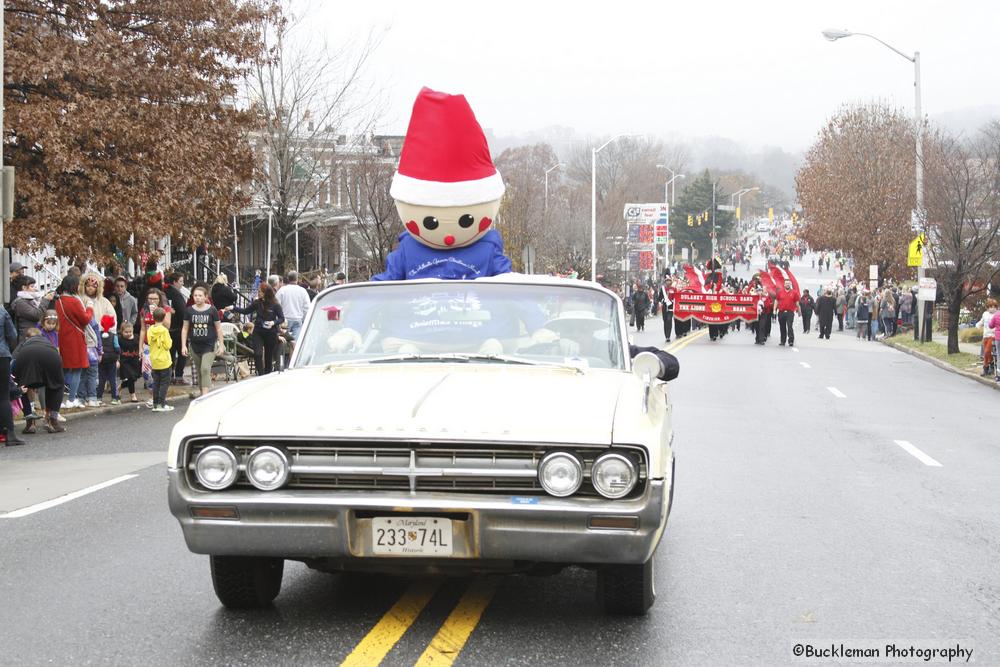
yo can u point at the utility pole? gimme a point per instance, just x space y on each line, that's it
712 258
5 266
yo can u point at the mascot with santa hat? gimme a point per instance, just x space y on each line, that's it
447 193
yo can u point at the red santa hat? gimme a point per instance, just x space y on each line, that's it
445 160
107 322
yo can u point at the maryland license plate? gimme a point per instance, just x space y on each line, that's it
411 536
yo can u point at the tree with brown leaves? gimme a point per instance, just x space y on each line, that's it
856 187
120 122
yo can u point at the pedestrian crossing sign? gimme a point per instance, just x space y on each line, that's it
915 256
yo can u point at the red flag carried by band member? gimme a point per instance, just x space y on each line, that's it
780 275
695 278
767 283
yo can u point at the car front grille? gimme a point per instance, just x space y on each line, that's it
425 467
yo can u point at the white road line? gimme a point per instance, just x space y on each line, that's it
31 509
923 458
795 349
805 365
836 392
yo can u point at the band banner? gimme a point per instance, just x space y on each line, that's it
715 308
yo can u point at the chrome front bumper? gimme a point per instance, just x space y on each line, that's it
318 524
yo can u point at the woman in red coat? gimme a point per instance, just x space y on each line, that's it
74 317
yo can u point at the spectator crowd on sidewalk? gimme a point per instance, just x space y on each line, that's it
98 337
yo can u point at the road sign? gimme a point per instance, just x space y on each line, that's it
726 207
915 255
927 289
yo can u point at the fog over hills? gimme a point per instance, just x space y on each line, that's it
966 122
773 165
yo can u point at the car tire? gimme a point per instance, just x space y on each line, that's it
626 590
246 582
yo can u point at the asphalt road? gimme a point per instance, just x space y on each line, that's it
798 518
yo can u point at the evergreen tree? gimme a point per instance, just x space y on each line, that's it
696 201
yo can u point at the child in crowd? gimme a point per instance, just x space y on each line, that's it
158 337
203 326
50 331
988 336
130 363
50 327
107 371
992 320
246 335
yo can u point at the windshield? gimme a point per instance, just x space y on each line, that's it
464 321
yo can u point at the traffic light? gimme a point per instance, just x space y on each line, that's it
690 220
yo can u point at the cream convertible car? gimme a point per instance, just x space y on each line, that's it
495 425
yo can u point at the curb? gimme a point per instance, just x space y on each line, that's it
109 410
941 364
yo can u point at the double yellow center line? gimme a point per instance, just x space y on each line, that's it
450 638
681 343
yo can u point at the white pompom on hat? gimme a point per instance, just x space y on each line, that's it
445 159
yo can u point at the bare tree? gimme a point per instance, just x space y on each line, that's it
378 227
522 218
963 209
626 172
306 95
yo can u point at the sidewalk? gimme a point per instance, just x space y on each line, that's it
973 372
175 394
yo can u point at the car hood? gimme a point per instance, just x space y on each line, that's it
432 401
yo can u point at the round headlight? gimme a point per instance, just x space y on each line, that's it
613 475
560 474
216 467
267 468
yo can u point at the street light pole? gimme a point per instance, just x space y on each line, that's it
739 199
555 166
712 258
593 203
833 35
667 198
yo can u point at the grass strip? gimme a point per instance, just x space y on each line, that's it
962 360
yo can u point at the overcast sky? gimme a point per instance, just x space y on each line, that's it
758 72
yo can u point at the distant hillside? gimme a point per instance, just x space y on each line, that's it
771 164
966 122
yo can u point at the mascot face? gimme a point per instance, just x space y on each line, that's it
444 227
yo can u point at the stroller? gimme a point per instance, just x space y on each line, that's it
239 357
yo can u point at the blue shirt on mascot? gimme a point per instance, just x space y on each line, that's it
412 260
447 192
